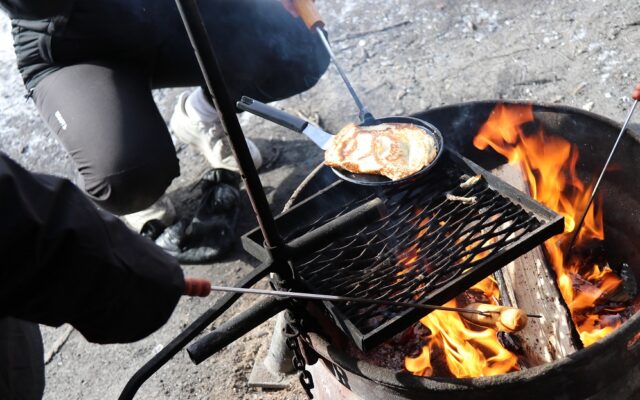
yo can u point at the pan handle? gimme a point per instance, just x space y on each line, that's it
272 114
309 13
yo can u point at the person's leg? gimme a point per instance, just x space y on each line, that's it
21 360
105 117
191 126
262 50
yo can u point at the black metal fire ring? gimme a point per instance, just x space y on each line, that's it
592 372
533 383
540 107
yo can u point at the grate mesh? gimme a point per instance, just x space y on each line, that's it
433 243
421 246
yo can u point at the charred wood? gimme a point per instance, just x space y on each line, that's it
530 284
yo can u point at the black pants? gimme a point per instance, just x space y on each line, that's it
97 97
21 360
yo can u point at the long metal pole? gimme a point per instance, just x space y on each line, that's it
329 297
576 231
199 38
204 52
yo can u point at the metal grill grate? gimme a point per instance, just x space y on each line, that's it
427 248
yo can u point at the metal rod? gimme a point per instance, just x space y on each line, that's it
329 297
604 170
187 335
235 328
212 74
365 115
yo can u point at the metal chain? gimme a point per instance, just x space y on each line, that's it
292 333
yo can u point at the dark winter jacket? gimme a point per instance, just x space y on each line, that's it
35 9
48 35
63 260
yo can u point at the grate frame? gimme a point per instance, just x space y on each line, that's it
321 271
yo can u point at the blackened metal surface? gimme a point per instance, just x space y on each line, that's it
326 233
427 248
314 210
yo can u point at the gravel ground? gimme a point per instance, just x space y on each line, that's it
403 56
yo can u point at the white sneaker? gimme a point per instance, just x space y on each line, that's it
224 158
162 210
207 138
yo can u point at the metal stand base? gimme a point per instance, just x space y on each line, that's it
264 378
275 370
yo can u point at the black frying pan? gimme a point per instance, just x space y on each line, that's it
321 139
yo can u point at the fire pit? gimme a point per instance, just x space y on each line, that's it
607 369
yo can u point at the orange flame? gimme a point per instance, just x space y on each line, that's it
549 164
468 352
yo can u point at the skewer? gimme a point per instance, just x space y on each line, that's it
202 288
576 231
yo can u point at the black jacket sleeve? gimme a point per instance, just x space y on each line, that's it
35 9
63 260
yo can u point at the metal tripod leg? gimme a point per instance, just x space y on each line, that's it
275 370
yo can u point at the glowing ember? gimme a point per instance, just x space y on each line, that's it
549 163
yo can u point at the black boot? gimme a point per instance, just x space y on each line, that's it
211 234
152 229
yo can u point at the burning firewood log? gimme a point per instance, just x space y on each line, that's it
530 285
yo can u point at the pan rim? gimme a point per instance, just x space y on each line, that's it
380 180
